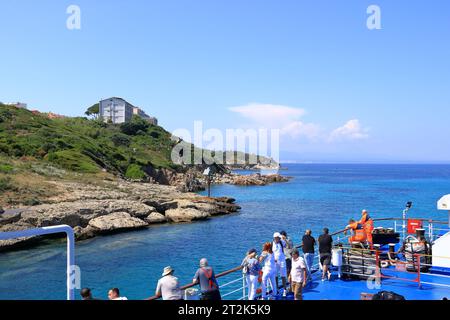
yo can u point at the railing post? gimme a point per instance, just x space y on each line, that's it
71 271
377 267
418 269
430 231
244 282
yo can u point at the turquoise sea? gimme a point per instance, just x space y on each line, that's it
319 195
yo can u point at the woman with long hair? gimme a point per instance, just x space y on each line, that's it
269 269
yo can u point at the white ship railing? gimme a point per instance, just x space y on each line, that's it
70 249
341 237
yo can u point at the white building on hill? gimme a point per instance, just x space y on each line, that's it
117 110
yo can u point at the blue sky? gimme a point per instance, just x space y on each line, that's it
348 93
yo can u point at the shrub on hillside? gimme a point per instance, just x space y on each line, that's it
135 172
120 139
6 168
133 126
73 160
5 184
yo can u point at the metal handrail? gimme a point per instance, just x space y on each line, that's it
220 275
52 230
396 219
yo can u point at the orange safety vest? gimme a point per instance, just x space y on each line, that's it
360 233
367 221
360 236
209 273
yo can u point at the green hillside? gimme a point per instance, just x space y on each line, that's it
36 151
82 145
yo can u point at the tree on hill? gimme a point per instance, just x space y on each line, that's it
135 126
93 111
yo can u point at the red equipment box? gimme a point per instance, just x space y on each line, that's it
414 224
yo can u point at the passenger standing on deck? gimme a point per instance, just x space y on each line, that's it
298 275
208 283
278 246
251 268
168 286
325 246
308 244
269 269
287 250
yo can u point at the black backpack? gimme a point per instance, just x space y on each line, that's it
387 295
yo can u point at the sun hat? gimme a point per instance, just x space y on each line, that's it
167 270
277 235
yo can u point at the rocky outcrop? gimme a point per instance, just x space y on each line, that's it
186 215
113 207
155 218
122 205
116 221
255 179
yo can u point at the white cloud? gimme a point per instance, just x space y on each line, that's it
352 130
298 128
288 121
285 118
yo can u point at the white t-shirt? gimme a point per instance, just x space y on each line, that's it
169 288
269 262
278 252
121 298
297 271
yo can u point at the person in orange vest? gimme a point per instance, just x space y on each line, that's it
358 232
367 223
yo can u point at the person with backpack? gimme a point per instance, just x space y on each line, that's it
206 278
251 268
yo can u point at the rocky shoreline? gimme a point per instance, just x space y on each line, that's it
118 206
194 181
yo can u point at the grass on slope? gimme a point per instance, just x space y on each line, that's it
83 145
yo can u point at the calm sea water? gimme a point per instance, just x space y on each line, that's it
318 196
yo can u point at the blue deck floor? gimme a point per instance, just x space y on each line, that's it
433 287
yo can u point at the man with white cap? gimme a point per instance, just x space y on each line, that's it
168 286
278 246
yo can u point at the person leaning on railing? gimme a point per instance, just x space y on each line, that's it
168 286
250 269
208 283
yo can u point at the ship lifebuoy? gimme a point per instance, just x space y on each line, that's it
259 290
